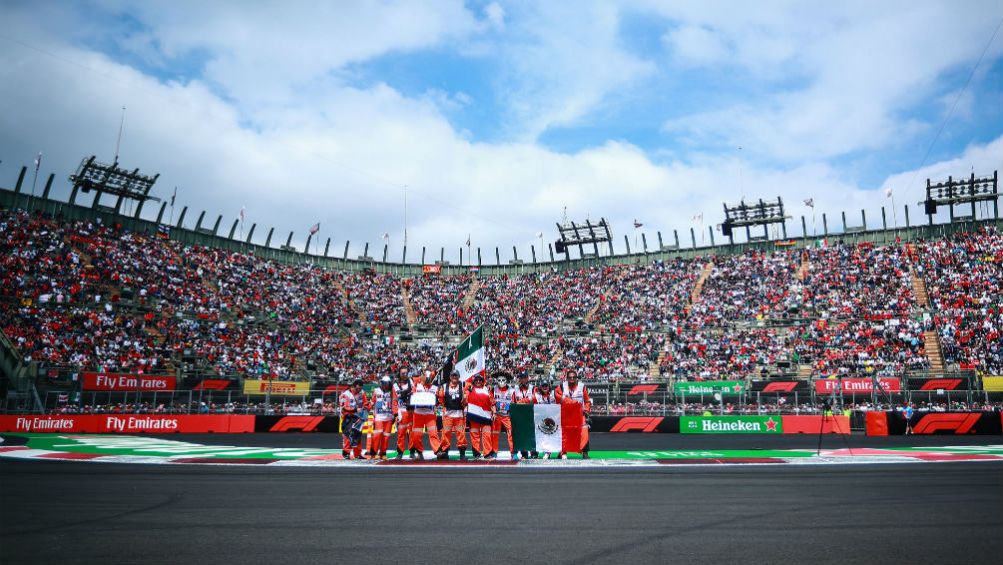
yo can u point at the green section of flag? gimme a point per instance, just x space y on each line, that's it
731 425
523 432
709 387
470 345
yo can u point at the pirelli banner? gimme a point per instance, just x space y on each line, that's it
992 384
935 423
276 388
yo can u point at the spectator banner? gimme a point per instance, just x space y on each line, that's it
128 423
992 384
635 424
278 388
857 385
936 423
709 387
731 425
779 386
126 382
329 424
951 383
431 269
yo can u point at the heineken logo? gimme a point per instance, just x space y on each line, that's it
731 424
547 426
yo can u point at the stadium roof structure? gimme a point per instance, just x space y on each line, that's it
583 234
954 192
760 213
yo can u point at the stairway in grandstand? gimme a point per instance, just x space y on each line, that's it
804 371
412 318
931 345
919 288
549 366
471 294
592 311
704 275
351 302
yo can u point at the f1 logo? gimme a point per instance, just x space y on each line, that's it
637 424
958 423
301 423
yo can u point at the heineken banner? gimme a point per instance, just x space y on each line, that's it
731 425
709 387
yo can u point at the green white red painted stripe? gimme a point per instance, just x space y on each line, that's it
153 450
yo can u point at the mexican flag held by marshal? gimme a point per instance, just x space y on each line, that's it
547 428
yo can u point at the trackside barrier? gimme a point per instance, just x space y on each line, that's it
212 423
935 423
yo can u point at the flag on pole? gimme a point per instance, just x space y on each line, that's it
315 228
386 237
809 202
637 224
173 196
470 355
698 217
888 193
242 214
547 427
468 240
38 161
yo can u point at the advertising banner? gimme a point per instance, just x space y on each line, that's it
709 387
643 388
936 423
946 383
329 424
278 388
992 384
128 423
779 386
431 269
635 424
857 385
126 382
813 424
731 425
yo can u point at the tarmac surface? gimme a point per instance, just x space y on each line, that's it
68 512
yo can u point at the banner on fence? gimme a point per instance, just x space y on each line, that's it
128 423
781 387
934 384
126 382
278 388
992 384
936 423
731 425
709 387
857 385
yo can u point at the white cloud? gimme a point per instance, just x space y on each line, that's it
495 15
696 45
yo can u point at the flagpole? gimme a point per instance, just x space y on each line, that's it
118 142
38 163
405 215
895 215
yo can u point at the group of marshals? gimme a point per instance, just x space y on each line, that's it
481 407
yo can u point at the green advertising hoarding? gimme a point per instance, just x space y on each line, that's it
709 387
731 425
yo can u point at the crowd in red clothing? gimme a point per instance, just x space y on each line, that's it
94 296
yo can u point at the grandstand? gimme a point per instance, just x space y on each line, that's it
89 289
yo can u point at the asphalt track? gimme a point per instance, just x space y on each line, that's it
66 512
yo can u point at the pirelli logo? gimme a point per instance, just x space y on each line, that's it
958 424
637 424
297 423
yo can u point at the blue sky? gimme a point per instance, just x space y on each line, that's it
498 115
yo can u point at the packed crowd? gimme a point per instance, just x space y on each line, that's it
98 297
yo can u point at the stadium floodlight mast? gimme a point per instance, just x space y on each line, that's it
112 179
582 234
747 215
954 192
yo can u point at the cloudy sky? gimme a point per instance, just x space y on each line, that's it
497 116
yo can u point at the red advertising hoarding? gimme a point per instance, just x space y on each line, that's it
127 382
128 423
857 385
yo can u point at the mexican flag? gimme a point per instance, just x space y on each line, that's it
547 427
470 355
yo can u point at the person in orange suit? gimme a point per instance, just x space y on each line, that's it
571 391
453 402
424 401
480 416
403 411
503 397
